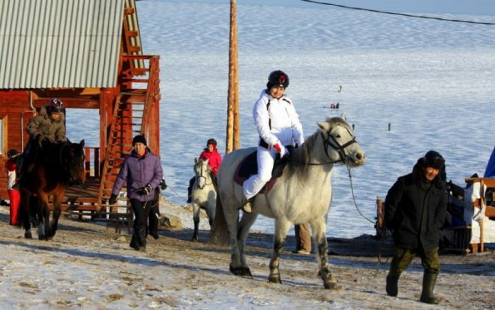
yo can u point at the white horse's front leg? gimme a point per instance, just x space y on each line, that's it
245 224
282 226
196 214
319 234
231 217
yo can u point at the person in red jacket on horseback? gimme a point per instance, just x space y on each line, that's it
211 153
214 161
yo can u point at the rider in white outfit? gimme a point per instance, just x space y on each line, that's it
278 126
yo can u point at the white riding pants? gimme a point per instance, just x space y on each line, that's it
255 183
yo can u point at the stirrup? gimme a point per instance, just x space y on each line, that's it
247 206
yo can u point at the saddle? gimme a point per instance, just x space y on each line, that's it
249 166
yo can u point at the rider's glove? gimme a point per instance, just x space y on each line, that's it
282 150
112 200
163 185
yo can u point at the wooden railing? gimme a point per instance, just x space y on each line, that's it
152 81
92 161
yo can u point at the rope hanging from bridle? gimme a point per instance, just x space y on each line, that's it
354 197
380 247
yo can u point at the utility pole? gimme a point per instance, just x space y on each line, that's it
233 95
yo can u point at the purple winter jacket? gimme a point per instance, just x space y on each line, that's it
138 172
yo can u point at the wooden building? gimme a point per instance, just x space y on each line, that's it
88 54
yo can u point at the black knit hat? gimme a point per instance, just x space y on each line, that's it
139 138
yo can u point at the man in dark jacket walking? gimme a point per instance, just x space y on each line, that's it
415 210
143 173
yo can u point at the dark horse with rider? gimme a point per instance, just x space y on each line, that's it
49 164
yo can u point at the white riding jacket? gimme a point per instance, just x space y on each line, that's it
277 120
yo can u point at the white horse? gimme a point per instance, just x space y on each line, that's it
301 195
204 195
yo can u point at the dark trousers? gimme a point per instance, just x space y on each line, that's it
403 257
141 211
154 214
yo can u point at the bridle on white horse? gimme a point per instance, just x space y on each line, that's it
201 176
340 148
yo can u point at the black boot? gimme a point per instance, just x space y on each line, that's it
142 238
429 281
138 241
392 284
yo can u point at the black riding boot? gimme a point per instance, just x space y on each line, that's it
392 284
429 281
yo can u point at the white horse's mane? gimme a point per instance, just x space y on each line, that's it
301 157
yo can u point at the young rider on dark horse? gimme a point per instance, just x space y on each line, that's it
49 126
278 125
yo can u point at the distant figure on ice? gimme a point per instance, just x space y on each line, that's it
142 172
214 161
278 126
415 210
14 194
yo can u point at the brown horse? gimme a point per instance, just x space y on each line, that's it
56 166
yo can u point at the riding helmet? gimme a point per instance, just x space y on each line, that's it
12 153
433 159
211 141
55 106
277 78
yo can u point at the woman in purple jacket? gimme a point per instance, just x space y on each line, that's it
143 172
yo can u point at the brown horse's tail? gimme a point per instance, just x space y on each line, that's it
219 233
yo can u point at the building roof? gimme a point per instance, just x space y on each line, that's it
60 43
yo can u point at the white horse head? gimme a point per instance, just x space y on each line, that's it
340 144
204 195
202 172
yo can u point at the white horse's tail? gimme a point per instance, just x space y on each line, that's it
218 232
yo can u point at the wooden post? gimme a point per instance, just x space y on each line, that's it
232 138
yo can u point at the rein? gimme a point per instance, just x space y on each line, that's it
380 247
340 148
